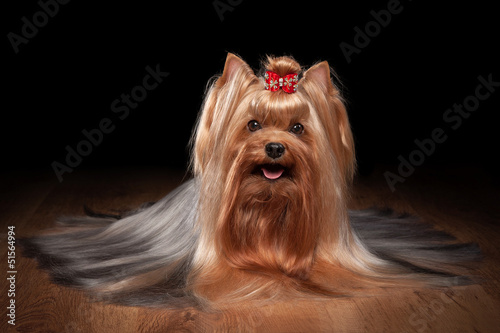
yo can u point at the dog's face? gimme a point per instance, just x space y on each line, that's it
272 147
238 109
275 162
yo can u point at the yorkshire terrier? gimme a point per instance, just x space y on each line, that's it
265 215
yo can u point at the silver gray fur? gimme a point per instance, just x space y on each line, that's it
148 239
165 235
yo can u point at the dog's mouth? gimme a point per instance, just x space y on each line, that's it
272 171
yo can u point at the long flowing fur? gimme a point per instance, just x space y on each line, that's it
231 235
141 259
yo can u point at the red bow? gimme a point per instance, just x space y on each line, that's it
274 82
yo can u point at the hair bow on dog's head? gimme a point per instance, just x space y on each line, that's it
274 82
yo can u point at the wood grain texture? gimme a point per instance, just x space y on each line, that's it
461 201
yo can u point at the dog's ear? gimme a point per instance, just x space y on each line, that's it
233 62
330 108
320 74
231 67
219 106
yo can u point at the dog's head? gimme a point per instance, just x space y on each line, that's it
271 162
245 128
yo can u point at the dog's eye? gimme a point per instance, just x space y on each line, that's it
253 125
297 129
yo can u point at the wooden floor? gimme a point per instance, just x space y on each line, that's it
461 201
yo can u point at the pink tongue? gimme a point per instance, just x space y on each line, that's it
272 174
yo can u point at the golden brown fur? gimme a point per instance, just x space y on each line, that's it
254 225
293 231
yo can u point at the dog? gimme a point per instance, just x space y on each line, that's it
265 215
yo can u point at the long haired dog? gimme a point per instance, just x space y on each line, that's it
265 215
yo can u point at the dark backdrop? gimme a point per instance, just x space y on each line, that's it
399 84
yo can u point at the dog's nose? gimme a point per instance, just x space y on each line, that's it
275 150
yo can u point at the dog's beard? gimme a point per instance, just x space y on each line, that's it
268 224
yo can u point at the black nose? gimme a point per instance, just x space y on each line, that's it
275 150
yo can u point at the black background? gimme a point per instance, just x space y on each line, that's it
398 87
